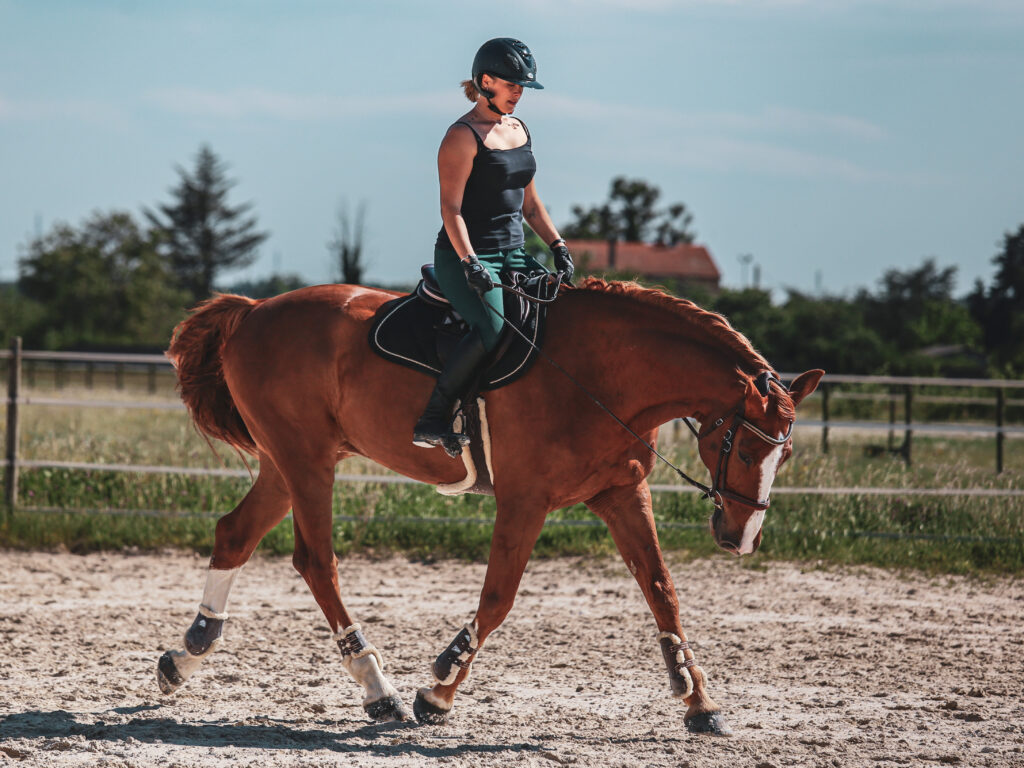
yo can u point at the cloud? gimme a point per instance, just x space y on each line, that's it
774 120
31 110
777 140
260 103
667 5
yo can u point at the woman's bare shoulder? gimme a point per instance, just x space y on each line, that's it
459 138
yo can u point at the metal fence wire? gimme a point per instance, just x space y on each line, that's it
899 390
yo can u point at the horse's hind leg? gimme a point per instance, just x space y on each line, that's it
237 535
315 560
627 512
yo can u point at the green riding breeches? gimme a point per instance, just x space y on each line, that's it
474 308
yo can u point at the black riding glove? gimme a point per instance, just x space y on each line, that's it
477 276
563 261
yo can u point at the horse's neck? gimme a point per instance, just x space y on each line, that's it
665 370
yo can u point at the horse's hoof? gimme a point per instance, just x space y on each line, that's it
427 713
708 722
167 675
387 710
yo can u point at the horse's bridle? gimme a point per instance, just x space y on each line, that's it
717 491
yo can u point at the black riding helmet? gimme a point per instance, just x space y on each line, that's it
507 58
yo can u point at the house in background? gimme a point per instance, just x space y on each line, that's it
683 263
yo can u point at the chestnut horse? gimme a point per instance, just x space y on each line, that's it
293 381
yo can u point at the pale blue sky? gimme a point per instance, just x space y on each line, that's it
840 136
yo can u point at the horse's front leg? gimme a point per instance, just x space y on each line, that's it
516 529
237 535
627 512
315 560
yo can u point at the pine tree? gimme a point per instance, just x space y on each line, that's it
202 235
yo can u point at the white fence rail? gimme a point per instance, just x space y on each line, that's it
12 463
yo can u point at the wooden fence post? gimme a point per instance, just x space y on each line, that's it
892 420
908 407
1000 435
13 393
824 417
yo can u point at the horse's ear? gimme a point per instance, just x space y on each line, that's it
804 384
757 395
761 382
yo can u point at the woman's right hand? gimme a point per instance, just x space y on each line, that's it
477 276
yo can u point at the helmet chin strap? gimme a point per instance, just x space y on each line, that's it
489 95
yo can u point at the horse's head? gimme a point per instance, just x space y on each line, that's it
743 448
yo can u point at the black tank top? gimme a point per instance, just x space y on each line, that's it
492 204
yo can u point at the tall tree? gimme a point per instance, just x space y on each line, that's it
346 247
916 309
103 283
202 234
631 214
1000 309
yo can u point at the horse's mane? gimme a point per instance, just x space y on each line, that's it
749 360
714 325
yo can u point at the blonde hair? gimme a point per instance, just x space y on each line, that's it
470 89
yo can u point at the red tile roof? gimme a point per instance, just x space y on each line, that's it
686 262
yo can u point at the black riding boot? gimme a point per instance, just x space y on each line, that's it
436 422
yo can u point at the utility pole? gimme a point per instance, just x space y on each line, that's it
745 259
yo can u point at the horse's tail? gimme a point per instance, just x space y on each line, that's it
196 347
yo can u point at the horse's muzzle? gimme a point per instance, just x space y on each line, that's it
722 540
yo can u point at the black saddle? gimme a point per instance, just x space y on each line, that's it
420 330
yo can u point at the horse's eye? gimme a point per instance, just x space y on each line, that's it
744 458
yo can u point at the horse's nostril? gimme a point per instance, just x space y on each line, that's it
729 546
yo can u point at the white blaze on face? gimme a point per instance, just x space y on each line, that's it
769 468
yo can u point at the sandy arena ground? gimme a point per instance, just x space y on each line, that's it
813 667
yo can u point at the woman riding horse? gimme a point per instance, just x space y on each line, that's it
293 381
486 168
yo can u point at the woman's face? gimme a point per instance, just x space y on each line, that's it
506 94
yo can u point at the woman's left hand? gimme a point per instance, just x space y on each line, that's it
563 260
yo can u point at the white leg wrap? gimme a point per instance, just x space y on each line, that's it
215 595
680 660
367 668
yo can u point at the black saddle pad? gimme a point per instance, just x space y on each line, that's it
419 333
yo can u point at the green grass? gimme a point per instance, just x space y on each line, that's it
937 534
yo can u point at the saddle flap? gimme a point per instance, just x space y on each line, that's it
416 330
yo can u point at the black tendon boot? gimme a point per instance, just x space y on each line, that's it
435 425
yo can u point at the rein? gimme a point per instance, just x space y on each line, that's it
716 492
532 299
